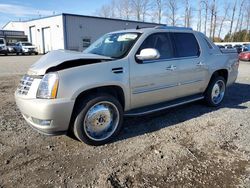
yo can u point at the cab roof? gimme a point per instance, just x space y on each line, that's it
151 29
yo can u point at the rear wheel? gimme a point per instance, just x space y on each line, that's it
216 91
98 120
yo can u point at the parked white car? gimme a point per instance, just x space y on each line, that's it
3 47
25 48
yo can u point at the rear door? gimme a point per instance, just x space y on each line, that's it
190 65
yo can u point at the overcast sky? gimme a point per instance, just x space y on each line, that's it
14 10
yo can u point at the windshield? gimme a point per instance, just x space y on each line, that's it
27 44
1 41
115 45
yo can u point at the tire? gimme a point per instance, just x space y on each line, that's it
215 92
36 53
95 113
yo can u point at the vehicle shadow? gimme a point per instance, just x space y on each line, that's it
236 96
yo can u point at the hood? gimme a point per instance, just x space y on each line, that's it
58 58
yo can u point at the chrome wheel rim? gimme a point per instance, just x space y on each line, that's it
218 92
101 121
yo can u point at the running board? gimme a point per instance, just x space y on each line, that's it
163 106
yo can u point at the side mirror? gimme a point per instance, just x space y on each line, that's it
148 54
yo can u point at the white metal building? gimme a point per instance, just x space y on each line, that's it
69 31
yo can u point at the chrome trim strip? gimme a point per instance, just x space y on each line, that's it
191 82
170 59
154 89
163 108
165 87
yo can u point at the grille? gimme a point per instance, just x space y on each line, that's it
24 85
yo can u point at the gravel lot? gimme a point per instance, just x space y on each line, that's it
12 65
188 146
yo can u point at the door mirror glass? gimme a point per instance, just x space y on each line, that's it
148 54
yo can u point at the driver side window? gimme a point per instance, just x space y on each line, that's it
161 42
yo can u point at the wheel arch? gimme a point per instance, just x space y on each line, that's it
223 73
219 72
113 90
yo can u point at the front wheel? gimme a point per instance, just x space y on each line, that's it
215 92
98 120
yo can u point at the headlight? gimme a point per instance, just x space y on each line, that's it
48 86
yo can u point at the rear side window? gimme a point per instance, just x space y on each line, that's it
186 45
208 43
161 42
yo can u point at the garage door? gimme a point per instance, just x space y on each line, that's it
46 40
33 35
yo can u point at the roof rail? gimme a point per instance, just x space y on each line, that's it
144 27
173 27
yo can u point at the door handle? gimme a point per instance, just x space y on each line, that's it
171 68
117 70
200 64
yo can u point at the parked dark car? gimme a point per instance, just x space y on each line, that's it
228 46
246 47
221 46
239 48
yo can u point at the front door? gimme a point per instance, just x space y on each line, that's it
153 81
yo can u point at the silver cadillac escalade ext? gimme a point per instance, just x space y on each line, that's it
131 72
